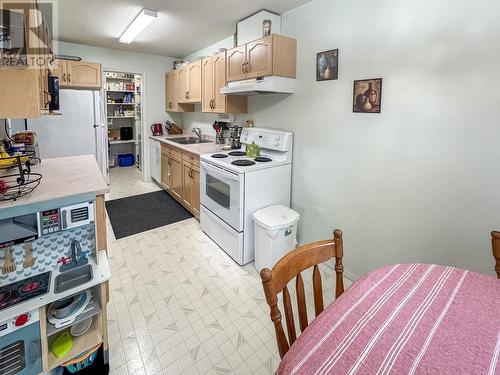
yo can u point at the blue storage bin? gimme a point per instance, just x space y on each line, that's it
126 160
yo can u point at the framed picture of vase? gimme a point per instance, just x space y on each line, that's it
367 96
327 65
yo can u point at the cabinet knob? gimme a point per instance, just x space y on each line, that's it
64 77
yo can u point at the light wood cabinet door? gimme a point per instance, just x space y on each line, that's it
59 69
166 179
187 181
169 101
43 78
195 203
84 74
21 98
219 63
182 85
207 86
194 82
259 58
235 60
176 174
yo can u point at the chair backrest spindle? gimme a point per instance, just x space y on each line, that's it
290 324
301 302
318 291
495 243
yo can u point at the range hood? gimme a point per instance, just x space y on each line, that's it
264 85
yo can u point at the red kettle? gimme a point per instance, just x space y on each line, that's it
157 129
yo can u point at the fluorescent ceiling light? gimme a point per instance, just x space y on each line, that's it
143 20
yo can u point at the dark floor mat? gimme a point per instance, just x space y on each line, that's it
144 212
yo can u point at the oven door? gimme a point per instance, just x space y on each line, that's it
222 193
20 351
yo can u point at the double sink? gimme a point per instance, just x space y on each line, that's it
189 140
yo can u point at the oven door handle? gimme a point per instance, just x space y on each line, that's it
220 172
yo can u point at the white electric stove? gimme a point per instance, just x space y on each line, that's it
234 186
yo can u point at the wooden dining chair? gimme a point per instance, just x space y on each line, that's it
291 266
495 243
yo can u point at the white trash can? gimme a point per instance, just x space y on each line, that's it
275 234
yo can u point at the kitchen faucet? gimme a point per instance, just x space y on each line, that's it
78 257
197 131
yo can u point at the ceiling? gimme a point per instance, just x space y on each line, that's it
182 27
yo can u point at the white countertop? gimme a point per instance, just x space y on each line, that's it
197 148
62 178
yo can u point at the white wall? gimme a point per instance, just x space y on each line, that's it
418 182
211 49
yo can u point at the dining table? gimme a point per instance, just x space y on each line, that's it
405 319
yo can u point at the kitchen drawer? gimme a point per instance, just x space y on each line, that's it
191 158
176 152
165 149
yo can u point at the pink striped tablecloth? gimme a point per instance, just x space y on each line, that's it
405 319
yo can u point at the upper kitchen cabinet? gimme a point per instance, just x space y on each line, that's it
190 83
173 80
24 71
235 63
77 74
214 78
274 55
85 75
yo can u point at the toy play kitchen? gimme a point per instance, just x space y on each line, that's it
53 280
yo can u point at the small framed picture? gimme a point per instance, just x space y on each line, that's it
327 65
367 96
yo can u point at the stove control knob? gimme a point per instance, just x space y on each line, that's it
22 320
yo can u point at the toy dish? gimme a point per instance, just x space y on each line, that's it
80 328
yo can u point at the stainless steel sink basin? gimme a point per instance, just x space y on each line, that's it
189 140
73 278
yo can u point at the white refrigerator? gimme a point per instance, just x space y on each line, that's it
81 128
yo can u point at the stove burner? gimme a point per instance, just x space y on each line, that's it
30 287
263 159
243 162
219 156
5 295
24 290
237 153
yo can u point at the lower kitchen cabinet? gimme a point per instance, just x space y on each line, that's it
187 183
180 177
166 180
176 175
195 206
191 188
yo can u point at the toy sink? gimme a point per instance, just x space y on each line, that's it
73 278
